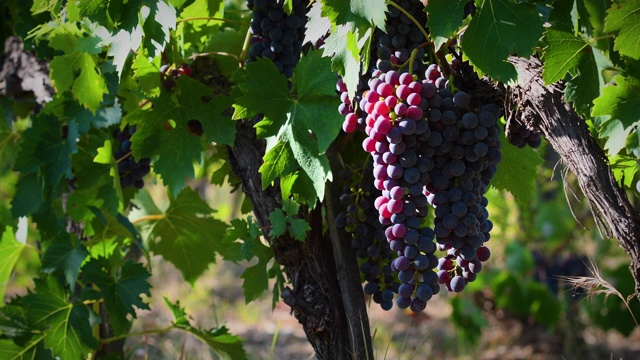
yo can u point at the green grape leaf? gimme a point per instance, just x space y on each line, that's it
109 113
187 235
158 25
299 228
623 18
28 197
318 26
147 73
279 161
10 251
181 319
499 29
343 49
43 146
201 24
64 256
517 171
225 345
89 86
359 14
444 19
264 91
620 102
121 44
616 134
247 231
278 221
105 156
585 86
30 350
562 55
66 326
255 282
178 128
96 10
121 290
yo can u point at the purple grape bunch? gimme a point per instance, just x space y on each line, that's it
131 171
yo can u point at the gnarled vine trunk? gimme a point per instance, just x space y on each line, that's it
543 108
325 294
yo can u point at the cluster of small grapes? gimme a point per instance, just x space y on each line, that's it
131 171
168 76
360 219
520 136
276 35
465 148
396 130
393 48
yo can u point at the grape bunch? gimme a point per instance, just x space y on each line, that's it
168 75
131 171
520 136
360 220
276 35
465 148
395 103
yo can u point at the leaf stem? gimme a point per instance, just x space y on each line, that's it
148 218
139 333
213 19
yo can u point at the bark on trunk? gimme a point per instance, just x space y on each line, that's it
324 295
543 107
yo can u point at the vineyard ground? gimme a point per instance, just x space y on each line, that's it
217 299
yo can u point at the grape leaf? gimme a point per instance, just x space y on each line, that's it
121 290
499 29
187 235
265 91
623 18
278 222
121 44
616 135
317 26
299 228
517 171
28 197
147 72
562 55
64 256
360 14
79 57
585 86
30 350
166 129
161 19
181 319
342 47
66 325
10 251
247 231
279 161
225 345
621 102
255 282
201 24
43 146
444 19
